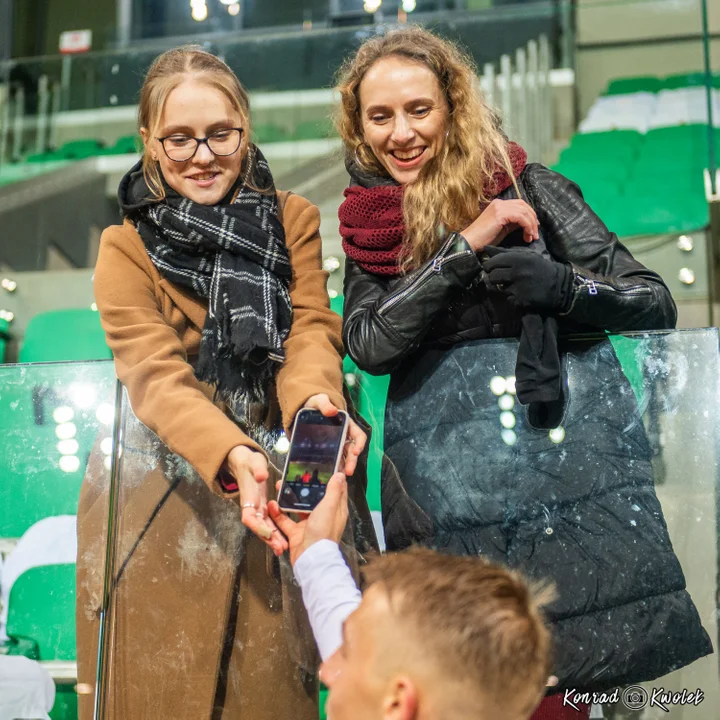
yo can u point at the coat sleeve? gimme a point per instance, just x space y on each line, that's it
384 322
611 289
313 350
151 362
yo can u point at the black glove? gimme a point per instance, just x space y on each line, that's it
529 280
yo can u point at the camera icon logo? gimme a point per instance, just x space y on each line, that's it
635 697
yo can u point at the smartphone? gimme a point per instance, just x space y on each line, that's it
315 454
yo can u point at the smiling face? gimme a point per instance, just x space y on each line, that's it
196 109
404 115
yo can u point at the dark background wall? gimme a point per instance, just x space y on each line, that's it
37 24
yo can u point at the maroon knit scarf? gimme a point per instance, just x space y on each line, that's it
372 225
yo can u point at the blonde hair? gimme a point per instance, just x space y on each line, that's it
167 72
481 625
451 187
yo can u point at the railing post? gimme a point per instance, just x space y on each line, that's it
536 117
522 100
546 97
18 123
4 122
488 83
56 105
65 80
42 115
507 104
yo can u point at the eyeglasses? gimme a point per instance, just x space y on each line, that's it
181 148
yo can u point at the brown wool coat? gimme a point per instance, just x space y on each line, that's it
203 626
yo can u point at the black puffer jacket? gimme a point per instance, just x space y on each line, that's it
578 507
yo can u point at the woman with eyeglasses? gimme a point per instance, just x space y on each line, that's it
214 303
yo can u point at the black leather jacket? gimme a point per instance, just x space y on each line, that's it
447 301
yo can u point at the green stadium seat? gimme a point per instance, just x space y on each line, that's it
682 166
314 130
64 335
665 179
66 703
590 172
33 488
623 86
125 145
4 337
23 647
606 153
42 608
602 198
683 80
685 143
45 157
658 215
81 149
594 140
269 133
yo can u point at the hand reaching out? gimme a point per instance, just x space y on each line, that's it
326 522
250 469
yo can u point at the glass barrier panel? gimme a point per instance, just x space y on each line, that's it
194 598
595 493
611 495
56 429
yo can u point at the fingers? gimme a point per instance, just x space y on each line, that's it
500 276
335 494
281 520
258 467
357 436
254 512
518 212
355 443
322 403
258 523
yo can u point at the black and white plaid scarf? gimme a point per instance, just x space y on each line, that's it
234 254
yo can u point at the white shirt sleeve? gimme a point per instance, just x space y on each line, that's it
26 689
329 593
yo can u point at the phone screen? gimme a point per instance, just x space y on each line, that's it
316 443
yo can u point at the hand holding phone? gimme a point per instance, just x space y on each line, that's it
315 454
356 437
326 522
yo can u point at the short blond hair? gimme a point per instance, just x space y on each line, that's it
481 623
167 72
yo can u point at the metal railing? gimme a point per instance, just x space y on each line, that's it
522 93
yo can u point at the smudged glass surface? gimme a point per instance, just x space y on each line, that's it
56 430
661 396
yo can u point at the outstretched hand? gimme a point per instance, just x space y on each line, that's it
326 522
250 470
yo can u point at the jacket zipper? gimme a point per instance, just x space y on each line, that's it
594 287
395 299
434 267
